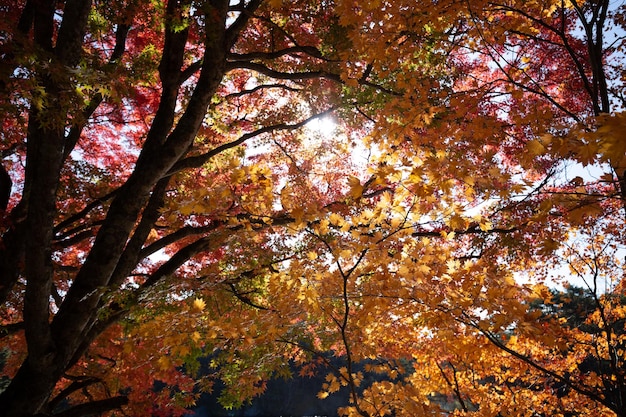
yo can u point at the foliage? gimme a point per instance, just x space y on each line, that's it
167 200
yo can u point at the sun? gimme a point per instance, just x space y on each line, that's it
324 126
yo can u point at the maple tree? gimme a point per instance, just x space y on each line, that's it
477 212
162 200
127 189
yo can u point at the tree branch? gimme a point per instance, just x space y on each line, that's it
73 387
118 51
304 75
5 188
199 160
233 31
308 50
178 235
11 328
261 87
81 214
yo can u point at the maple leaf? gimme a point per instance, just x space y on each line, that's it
198 305
164 363
322 394
356 188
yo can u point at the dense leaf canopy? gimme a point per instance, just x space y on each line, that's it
263 183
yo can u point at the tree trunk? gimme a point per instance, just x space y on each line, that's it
29 391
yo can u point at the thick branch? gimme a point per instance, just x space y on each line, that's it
150 215
5 188
205 244
74 134
76 235
261 87
280 75
99 202
199 160
308 50
178 235
304 75
69 44
73 387
183 255
233 31
11 328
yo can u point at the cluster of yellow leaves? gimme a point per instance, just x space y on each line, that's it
335 382
601 141
416 271
607 141
426 260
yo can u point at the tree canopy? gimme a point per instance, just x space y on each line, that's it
168 193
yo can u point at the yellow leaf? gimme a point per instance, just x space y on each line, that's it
447 235
396 222
356 189
485 225
187 209
298 215
423 268
453 265
457 222
588 153
198 305
336 219
334 386
352 82
164 363
183 349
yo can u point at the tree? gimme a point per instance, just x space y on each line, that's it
471 193
142 233
127 189
478 198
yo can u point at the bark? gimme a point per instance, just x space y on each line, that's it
45 157
29 390
5 188
11 252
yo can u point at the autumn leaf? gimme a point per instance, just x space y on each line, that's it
356 188
198 305
164 363
322 394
